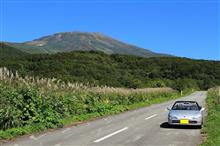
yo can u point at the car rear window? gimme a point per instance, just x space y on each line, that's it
185 106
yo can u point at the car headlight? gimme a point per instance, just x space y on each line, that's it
197 117
172 117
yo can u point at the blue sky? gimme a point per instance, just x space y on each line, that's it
187 28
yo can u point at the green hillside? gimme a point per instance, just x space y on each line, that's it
98 68
8 51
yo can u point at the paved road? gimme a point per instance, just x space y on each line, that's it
145 126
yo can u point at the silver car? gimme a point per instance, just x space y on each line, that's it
186 113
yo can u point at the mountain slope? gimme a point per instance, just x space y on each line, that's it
82 41
8 51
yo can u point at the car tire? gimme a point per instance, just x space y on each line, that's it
200 126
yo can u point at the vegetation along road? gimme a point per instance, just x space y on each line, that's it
145 126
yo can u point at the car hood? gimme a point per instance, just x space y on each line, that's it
184 113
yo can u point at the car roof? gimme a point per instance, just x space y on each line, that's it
179 101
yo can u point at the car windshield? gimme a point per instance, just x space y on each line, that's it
185 106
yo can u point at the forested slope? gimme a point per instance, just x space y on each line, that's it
8 51
97 68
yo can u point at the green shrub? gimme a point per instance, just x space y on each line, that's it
212 124
30 105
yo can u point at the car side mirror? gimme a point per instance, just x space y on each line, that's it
168 108
202 109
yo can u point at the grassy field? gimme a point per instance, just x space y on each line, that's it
30 104
212 124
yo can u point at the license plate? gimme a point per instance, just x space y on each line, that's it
184 121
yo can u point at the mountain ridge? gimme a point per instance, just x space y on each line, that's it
82 41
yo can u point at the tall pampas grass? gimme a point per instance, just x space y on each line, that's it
51 84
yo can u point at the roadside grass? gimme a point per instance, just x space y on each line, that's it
29 105
212 123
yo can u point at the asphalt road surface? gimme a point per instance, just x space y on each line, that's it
142 127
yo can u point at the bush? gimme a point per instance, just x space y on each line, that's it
212 124
31 105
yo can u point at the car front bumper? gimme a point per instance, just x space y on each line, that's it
197 122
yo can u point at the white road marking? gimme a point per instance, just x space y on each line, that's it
33 137
151 117
41 136
36 138
67 129
114 133
57 144
68 136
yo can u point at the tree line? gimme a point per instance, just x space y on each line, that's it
97 68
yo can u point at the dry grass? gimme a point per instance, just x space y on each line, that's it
51 103
128 91
56 84
47 83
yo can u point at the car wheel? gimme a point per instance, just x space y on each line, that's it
200 126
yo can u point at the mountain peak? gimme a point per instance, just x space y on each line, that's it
82 41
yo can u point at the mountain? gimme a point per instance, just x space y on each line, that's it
82 41
8 51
